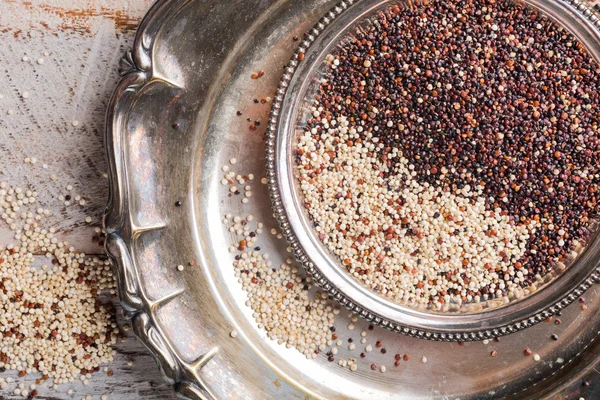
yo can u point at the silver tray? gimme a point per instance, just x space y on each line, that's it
191 66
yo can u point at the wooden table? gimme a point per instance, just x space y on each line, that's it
65 54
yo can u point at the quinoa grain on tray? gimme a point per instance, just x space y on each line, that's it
451 152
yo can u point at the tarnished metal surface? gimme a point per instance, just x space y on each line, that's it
191 66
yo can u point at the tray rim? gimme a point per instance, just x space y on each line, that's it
136 70
277 185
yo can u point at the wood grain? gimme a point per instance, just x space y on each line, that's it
81 43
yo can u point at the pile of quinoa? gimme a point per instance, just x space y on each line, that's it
280 296
451 151
51 321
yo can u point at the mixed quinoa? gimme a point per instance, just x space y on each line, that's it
451 152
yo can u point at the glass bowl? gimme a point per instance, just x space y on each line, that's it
566 281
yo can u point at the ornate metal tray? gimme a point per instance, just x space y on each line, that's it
172 125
